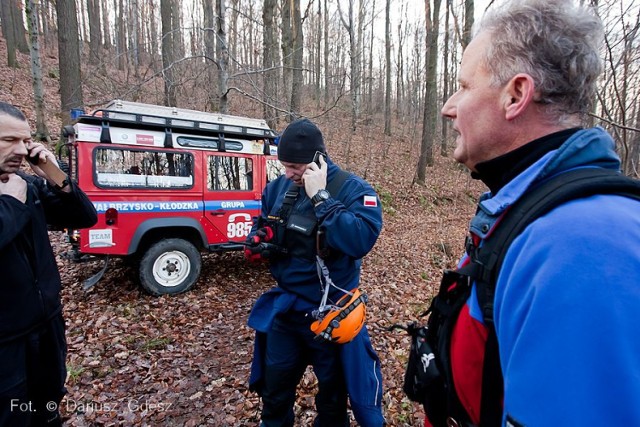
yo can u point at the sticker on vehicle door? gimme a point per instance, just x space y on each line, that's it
239 225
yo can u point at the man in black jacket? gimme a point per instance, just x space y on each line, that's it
32 339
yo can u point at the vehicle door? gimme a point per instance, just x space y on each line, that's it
232 194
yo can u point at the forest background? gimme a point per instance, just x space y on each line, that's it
372 73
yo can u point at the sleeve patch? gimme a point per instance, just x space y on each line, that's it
371 201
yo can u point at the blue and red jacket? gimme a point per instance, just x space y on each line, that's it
566 303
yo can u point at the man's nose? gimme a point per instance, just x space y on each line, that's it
22 149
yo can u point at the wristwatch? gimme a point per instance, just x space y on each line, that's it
64 184
320 197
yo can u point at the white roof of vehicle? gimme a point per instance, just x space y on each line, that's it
182 113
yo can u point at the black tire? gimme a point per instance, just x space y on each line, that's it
170 267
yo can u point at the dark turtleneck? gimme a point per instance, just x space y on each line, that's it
496 173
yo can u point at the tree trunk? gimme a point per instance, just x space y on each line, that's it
69 59
317 74
370 65
167 53
445 79
153 38
234 43
19 32
210 55
326 54
387 51
8 33
430 117
400 72
269 64
121 37
298 49
222 55
354 57
95 36
42 134
468 22
287 51
105 24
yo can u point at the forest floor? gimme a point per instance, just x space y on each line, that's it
138 360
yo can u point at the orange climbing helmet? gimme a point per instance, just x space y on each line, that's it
343 321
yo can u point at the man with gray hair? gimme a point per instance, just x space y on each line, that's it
564 306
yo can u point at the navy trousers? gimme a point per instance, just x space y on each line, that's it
32 376
290 348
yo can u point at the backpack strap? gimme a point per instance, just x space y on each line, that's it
334 186
486 261
559 189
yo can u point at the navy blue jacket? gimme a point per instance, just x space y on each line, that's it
352 220
351 227
30 284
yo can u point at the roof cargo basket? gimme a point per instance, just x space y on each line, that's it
172 119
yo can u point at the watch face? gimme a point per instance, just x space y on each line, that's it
320 196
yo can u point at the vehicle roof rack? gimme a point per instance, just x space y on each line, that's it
150 116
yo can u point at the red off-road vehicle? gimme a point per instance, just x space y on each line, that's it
167 183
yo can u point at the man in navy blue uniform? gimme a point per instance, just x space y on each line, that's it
32 341
316 224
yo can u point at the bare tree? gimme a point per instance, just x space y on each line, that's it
222 56
445 79
326 53
287 49
469 8
210 55
431 110
42 134
8 33
69 59
270 60
387 51
349 23
19 32
298 50
105 24
121 34
95 33
168 52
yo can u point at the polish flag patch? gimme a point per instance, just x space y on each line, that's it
371 201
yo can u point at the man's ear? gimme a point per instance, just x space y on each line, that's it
518 95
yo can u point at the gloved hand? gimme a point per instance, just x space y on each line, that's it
258 249
264 234
262 252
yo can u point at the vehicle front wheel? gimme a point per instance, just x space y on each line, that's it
170 266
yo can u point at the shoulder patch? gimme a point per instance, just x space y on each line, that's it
371 201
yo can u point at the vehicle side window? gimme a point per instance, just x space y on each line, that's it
229 173
274 169
115 168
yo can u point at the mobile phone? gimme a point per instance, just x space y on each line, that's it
33 159
316 158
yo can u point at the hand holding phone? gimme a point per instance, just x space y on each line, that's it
46 168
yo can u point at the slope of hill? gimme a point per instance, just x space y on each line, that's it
184 360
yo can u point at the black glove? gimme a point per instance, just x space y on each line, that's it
258 249
262 252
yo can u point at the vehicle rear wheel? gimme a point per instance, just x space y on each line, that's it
170 266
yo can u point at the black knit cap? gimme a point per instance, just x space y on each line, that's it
300 141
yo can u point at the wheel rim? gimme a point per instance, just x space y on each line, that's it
171 268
